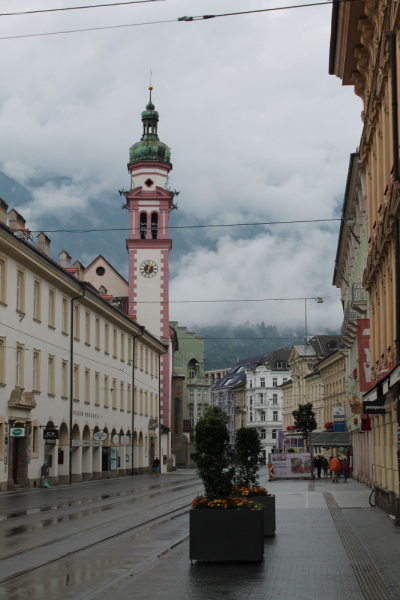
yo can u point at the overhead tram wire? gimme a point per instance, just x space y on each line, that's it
47 10
229 300
177 20
299 221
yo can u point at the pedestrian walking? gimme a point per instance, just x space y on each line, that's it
156 466
318 465
334 467
325 466
344 470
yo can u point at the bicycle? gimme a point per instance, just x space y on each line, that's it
372 495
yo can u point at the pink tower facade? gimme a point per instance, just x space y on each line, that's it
149 202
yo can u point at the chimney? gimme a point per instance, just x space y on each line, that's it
44 243
3 211
65 259
81 270
15 220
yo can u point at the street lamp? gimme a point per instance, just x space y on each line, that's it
318 300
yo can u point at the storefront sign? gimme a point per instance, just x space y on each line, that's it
115 439
338 412
100 436
125 439
50 435
86 443
364 354
76 443
17 432
96 444
374 407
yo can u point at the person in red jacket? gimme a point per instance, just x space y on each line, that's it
334 467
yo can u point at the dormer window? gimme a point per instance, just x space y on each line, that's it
149 182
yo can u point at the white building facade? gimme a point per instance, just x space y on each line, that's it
45 420
264 398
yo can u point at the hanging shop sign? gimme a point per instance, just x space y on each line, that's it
338 412
374 407
124 439
100 436
50 435
115 439
17 431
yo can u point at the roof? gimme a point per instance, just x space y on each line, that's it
303 350
280 355
288 382
236 378
109 264
318 346
84 285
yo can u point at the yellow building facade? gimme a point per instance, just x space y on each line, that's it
364 52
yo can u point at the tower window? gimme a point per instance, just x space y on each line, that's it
154 225
143 226
149 182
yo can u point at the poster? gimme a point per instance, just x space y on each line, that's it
364 354
291 465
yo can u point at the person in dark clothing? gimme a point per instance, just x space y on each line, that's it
156 466
325 466
318 465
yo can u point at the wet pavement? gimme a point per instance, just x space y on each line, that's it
329 545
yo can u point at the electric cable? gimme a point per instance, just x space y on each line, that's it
180 19
133 229
47 10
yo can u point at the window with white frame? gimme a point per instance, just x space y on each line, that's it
77 322
3 360
115 342
114 394
263 416
106 391
19 366
76 382
130 343
191 396
106 338
51 370
52 308
263 434
64 379
122 396
251 383
37 289
122 346
97 388
3 280
262 382
274 434
251 416
97 333
251 400
129 398
199 395
36 371
205 396
274 398
284 379
87 328
261 398
275 382
20 291
64 316
275 415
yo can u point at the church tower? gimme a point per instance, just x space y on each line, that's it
149 201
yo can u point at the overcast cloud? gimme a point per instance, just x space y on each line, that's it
258 129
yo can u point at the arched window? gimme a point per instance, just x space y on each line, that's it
143 226
154 225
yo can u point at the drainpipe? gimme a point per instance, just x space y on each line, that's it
83 285
142 329
397 284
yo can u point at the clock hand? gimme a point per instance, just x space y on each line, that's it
148 268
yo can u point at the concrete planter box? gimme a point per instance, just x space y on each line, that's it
269 512
226 535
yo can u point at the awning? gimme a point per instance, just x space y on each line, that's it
330 439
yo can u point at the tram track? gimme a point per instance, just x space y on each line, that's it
81 531
181 510
17 514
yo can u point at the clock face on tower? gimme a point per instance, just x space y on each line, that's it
148 268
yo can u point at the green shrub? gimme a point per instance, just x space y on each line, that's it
247 451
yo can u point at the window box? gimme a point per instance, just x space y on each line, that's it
231 535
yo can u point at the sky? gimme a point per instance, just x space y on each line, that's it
258 132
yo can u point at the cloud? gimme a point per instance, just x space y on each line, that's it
258 129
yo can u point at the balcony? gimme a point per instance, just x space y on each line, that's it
153 423
349 326
359 298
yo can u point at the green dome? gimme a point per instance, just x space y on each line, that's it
149 147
